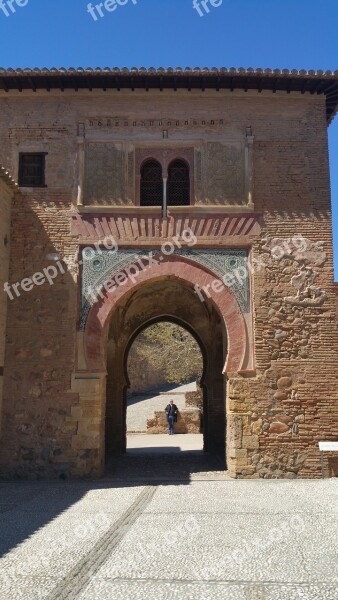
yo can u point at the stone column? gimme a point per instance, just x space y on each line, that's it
88 417
249 168
81 170
164 208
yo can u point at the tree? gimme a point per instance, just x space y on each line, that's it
173 350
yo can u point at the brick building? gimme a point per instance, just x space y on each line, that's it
196 196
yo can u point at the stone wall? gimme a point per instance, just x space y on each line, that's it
277 419
188 421
277 412
194 399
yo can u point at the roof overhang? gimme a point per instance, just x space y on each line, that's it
312 82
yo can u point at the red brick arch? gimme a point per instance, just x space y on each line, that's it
173 267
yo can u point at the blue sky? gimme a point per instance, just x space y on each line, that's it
240 33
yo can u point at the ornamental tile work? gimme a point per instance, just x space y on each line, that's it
101 265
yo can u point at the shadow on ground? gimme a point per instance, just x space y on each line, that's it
179 468
27 506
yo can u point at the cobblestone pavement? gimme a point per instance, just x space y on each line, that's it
140 408
189 539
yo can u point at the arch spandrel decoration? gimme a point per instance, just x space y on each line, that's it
103 265
183 269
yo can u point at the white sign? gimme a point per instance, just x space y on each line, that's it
328 446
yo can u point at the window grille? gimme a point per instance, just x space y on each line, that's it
32 169
178 184
151 184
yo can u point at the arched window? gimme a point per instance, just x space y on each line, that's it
151 184
178 184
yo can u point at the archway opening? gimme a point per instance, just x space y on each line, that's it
165 363
166 300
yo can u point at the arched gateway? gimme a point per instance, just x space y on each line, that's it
183 270
171 288
246 175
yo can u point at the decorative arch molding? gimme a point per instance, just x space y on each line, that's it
181 269
102 266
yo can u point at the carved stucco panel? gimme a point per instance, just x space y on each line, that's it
104 174
225 173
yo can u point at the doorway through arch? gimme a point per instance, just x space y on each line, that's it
165 363
170 301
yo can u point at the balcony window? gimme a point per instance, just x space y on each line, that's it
151 184
178 184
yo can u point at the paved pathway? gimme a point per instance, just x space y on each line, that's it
193 540
140 408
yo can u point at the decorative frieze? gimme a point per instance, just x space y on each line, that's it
124 122
147 227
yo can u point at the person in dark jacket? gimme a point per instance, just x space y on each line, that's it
171 412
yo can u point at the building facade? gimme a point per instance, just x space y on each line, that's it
199 196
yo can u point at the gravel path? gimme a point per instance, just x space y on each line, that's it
186 540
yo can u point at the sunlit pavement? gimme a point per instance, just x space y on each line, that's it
164 444
238 540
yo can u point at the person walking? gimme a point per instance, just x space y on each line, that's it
171 412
